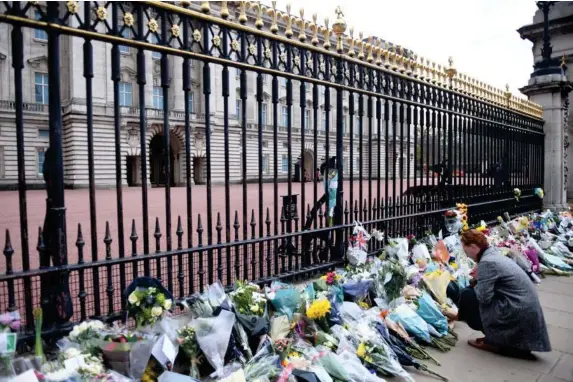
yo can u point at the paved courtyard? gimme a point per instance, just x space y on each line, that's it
466 364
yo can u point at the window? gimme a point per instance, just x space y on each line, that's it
283 81
265 144
285 145
343 124
284 166
125 94
125 33
307 119
238 107
264 112
157 97
44 133
2 162
237 73
40 161
284 115
264 78
345 164
266 164
357 125
191 102
41 87
323 127
356 165
39 34
154 40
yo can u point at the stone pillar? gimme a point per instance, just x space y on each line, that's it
551 91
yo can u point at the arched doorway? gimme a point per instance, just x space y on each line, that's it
157 165
309 170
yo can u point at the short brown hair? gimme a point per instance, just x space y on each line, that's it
475 237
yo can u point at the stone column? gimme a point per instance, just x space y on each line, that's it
551 91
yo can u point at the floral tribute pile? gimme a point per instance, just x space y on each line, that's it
381 316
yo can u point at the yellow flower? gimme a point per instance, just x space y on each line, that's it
454 265
364 305
293 354
361 351
323 277
318 309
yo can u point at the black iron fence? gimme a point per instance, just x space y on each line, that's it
406 141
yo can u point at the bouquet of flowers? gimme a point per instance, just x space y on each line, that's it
317 311
9 322
430 312
188 343
285 298
147 300
86 335
116 349
213 335
251 308
392 278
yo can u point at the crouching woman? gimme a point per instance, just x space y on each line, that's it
502 303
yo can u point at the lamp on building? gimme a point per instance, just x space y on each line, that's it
547 65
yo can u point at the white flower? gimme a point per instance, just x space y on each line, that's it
167 304
132 299
75 333
72 352
83 327
254 308
156 311
151 290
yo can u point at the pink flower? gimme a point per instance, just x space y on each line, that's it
5 319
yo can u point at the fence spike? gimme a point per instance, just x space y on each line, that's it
80 240
133 236
283 219
8 252
179 231
199 225
236 225
268 222
219 227
107 241
253 221
80 245
157 233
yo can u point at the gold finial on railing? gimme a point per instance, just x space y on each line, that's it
350 41
288 19
224 10
563 61
400 60
434 74
326 34
451 71
314 28
370 47
414 66
507 93
394 58
274 14
258 7
205 7
387 54
360 44
339 27
302 26
243 12
379 53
